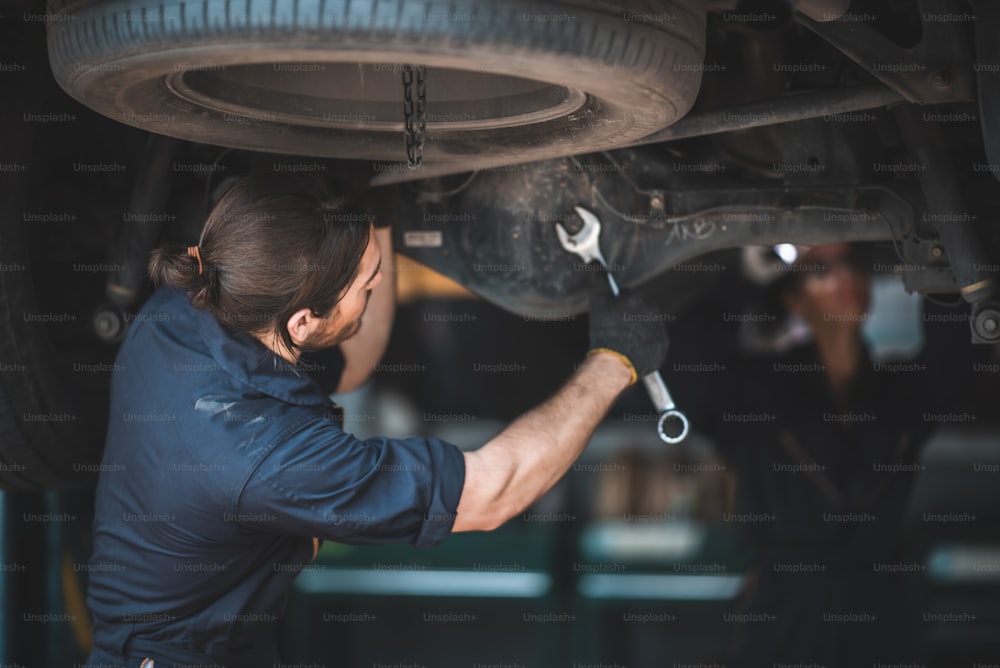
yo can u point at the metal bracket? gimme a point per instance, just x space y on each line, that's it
936 70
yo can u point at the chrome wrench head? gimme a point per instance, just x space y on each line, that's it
586 242
665 419
664 403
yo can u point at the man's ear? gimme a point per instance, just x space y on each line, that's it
300 325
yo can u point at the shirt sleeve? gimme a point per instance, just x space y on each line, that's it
323 482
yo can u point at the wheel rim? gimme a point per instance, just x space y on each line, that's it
369 96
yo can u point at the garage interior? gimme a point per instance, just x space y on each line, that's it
634 559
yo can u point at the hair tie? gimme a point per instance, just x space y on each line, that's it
195 252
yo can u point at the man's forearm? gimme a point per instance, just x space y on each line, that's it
521 463
364 350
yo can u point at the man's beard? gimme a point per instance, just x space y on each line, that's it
347 331
322 340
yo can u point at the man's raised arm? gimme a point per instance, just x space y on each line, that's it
528 457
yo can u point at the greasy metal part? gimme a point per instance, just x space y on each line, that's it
815 152
781 110
938 69
754 115
823 10
109 323
930 281
498 236
987 68
986 322
947 210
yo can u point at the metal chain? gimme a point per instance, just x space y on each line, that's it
414 114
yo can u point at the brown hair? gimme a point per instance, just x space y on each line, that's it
272 245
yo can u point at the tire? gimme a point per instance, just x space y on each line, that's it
524 78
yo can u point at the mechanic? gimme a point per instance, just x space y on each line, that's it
226 465
825 447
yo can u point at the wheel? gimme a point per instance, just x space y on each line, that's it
323 77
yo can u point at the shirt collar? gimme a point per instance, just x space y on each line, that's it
251 362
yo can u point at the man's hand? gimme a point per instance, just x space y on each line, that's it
627 339
630 328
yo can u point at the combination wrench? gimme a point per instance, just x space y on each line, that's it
586 244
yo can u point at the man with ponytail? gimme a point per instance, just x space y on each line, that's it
225 464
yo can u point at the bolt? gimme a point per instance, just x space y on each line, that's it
987 323
942 79
108 325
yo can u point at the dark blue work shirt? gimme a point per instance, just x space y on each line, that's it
223 463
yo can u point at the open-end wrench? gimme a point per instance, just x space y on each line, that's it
586 244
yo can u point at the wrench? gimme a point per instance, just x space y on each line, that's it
586 244
664 403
